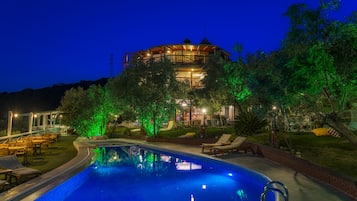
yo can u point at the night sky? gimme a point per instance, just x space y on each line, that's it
47 42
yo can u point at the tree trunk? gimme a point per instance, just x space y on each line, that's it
238 105
342 129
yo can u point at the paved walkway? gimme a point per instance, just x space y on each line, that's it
301 188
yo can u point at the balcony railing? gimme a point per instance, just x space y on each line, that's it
175 59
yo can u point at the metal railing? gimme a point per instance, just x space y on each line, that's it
275 187
192 59
54 129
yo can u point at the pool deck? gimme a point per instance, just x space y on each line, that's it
301 188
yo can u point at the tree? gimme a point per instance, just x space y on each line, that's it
87 111
306 26
324 72
271 98
234 81
313 73
267 79
148 89
213 95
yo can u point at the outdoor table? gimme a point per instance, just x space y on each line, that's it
37 146
14 149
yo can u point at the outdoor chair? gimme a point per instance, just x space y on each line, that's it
4 151
18 171
234 146
169 126
51 137
223 140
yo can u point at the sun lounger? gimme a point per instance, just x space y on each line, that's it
169 126
235 145
18 171
135 130
188 135
3 184
223 140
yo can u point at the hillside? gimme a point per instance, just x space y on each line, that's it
44 99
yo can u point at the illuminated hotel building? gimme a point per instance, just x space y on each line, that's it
188 60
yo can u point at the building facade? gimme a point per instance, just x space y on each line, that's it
188 60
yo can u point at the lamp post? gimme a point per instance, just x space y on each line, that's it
203 127
274 129
204 116
9 123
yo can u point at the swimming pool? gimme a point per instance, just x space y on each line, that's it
139 173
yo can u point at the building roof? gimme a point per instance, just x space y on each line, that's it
204 45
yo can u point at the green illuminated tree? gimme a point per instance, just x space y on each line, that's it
234 81
269 80
323 68
328 88
87 111
148 89
314 72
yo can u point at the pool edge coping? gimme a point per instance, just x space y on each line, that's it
29 190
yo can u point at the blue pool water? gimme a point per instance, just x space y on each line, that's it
135 173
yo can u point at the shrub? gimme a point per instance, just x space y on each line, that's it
248 123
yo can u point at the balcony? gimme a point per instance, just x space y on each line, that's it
189 60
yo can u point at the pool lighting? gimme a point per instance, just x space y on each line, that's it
192 198
204 187
230 174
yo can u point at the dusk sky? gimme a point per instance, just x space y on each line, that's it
47 42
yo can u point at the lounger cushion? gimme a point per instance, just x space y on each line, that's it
188 135
25 171
3 183
320 131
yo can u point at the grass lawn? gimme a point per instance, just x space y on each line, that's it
338 154
57 154
174 133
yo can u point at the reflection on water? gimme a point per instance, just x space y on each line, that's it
145 161
141 174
